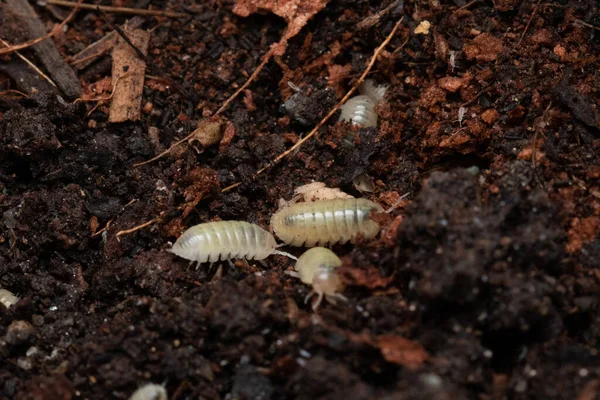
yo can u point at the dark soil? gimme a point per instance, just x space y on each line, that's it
484 285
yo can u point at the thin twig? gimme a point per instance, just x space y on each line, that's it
151 67
469 4
106 228
264 62
529 22
535 135
31 64
121 33
90 57
580 22
478 95
333 110
120 10
13 91
137 228
53 32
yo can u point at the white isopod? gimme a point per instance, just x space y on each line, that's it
226 240
317 267
7 298
151 391
360 110
326 222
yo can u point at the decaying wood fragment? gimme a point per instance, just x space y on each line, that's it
32 27
91 53
128 76
25 78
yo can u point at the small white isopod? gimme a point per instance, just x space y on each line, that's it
226 240
151 391
326 222
360 110
7 298
317 267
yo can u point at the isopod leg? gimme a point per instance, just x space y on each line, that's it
308 296
283 253
293 274
397 203
231 264
331 297
262 262
318 302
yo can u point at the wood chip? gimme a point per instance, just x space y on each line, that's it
128 76
64 76
25 78
91 53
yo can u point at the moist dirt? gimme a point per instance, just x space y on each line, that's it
483 285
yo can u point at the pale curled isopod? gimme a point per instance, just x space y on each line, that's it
317 268
360 110
226 240
314 191
7 298
151 391
326 222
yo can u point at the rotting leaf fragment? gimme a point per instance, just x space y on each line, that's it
296 13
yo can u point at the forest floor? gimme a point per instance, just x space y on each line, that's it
483 285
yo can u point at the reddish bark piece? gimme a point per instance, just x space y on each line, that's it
484 47
370 278
506 5
490 116
451 83
401 351
583 230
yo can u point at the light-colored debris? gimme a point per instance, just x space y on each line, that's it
128 77
423 28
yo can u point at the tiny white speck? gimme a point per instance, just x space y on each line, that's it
304 353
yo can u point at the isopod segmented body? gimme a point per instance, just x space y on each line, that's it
360 110
7 298
150 391
317 267
326 222
226 240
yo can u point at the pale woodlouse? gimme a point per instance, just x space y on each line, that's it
7 298
151 391
317 267
360 110
226 240
326 222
